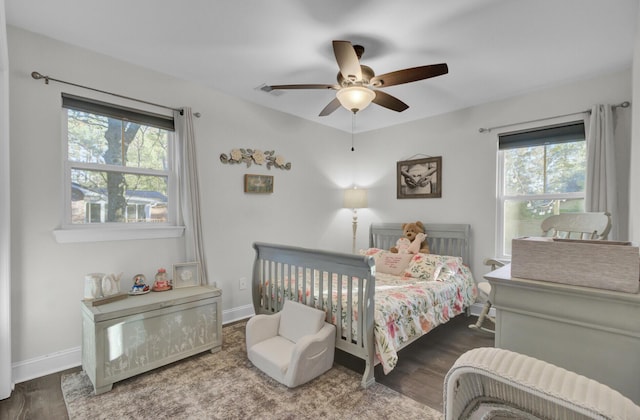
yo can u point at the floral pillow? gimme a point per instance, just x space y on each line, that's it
388 262
433 267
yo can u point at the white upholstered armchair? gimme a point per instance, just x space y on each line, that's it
496 383
292 346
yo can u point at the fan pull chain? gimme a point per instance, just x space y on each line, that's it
353 127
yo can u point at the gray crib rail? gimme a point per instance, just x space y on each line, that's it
282 270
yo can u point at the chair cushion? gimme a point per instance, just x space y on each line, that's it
272 356
298 320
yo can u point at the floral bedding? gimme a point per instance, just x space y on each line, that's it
430 291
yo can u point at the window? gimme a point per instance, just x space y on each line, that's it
541 172
118 167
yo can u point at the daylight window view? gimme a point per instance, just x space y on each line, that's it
119 170
540 181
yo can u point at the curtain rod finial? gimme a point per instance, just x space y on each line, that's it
38 76
483 130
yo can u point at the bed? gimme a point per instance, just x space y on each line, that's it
375 313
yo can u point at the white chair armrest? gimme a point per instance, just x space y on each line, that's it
529 384
310 357
261 327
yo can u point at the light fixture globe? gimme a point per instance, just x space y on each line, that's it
355 98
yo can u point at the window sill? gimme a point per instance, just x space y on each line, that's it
75 235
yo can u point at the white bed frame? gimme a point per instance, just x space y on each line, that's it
274 263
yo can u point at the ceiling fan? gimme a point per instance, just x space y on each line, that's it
356 82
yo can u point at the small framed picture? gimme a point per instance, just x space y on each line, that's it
258 184
186 275
420 178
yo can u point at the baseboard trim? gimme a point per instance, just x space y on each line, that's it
70 358
238 313
45 365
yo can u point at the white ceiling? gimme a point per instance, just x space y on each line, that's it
494 48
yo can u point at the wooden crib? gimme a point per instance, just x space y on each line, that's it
340 283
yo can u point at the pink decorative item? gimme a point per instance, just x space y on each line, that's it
415 246
161 282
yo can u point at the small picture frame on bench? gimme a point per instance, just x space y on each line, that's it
186 275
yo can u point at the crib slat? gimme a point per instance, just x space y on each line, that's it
349 309
338 322
361 317
330 301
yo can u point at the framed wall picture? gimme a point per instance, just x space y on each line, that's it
186 275
258 184
420 178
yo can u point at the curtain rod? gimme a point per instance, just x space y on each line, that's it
625 104
39 76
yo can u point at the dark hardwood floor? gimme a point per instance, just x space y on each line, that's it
423 365
39 398
419 374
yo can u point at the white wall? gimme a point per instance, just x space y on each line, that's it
304 209
634 182
469 157
5 221
48 277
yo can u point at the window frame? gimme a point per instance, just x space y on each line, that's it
502 198
71 233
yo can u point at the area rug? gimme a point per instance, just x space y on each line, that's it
225 385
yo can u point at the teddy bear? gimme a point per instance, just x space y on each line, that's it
410 231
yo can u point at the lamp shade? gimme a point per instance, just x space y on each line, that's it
355 98
355 198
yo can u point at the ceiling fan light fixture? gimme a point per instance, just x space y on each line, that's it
355 98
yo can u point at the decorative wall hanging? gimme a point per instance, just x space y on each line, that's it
258 184
251 156
420 178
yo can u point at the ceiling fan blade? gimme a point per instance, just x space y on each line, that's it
311 86
332 106
347 60
388 101
409 75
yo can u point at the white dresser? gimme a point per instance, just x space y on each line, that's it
134 335
593 332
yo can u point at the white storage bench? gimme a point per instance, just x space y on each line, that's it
131 336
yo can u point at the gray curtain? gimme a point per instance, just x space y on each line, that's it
189 190
601 188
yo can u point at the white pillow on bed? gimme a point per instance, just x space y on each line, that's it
433 267
388 262
394 264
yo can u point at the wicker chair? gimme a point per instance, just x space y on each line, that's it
490 383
